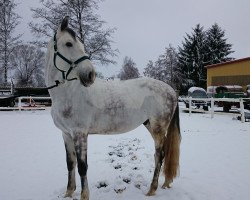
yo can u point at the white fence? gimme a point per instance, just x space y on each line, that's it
31 102
212 101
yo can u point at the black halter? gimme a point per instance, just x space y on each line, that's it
72 64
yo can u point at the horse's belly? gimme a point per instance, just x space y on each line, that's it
115 124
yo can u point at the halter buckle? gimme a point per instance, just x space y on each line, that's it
73 65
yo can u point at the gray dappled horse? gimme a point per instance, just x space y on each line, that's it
83 105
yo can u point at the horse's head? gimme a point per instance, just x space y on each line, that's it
70 58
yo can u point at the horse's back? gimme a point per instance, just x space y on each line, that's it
135 90
146 94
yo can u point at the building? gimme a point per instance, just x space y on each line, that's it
236 72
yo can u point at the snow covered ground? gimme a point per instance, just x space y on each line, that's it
215 161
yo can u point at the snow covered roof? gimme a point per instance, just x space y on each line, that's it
231 86
211 89
192 89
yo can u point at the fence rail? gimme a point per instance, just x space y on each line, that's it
31 101
212 101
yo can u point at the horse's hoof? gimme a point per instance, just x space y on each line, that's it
150 193
69 193
84 198
166 185
85 195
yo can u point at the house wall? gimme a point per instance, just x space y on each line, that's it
232 73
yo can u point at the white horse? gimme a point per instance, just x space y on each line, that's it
83 105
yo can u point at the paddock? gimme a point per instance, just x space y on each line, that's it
214 163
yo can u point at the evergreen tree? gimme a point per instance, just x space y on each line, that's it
129 70
217 46
8 22
202 48
192 57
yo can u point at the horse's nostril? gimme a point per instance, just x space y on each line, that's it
90 76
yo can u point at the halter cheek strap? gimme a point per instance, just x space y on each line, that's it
73 65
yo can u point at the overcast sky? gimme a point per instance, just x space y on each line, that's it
146 27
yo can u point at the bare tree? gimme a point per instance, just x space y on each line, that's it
166 68
28 65
129 69
170 67
8 22
89 28
99 75
154 71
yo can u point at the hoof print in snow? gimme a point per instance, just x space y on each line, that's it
127 180
117 166
134 157
102 184
120 154
138 186
111 153
120 190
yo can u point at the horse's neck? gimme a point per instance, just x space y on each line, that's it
50 70
74 90
68 91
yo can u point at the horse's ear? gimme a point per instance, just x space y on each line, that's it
65 23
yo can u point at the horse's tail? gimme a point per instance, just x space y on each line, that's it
172 149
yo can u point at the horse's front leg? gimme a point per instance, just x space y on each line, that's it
80 142
71 163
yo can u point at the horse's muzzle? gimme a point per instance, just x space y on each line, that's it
87 77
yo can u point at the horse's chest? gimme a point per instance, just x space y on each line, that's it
68 117
67 112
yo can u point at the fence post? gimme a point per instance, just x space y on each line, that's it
189 103
212 107
242 110
19 103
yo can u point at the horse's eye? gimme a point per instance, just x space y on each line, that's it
69 44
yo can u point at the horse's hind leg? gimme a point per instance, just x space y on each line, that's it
71 163
158 133
159 155
167 137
